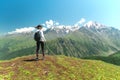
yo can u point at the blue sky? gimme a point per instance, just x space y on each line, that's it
22 13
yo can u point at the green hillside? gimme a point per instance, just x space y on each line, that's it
112 59
20 46
117 54
80 43
57 68
16 45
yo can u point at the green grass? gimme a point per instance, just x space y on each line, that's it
58 68
112 59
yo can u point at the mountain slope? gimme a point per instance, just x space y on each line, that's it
16 45
93 43
108 34
57 67
92 39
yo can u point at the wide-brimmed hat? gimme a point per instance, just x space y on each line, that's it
38 26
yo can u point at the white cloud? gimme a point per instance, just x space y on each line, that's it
22 30
50 24
80 22
56 23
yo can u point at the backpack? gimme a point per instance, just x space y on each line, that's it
37 36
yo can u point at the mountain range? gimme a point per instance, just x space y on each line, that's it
90 39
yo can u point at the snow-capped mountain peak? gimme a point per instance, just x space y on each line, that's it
92 24
55 26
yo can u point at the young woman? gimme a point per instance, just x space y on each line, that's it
41 42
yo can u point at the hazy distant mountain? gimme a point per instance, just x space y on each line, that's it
109 34
91 39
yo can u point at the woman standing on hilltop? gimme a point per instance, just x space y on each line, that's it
40 40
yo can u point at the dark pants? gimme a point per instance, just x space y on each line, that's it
38 43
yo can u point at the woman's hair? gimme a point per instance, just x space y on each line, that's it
38 26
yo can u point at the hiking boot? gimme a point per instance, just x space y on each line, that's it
36 58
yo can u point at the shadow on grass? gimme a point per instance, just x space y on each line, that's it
110 59
31 60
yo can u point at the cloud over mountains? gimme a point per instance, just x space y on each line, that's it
50 24
22 30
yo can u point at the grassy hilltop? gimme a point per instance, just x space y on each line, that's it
57 68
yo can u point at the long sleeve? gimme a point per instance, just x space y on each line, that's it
42 36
